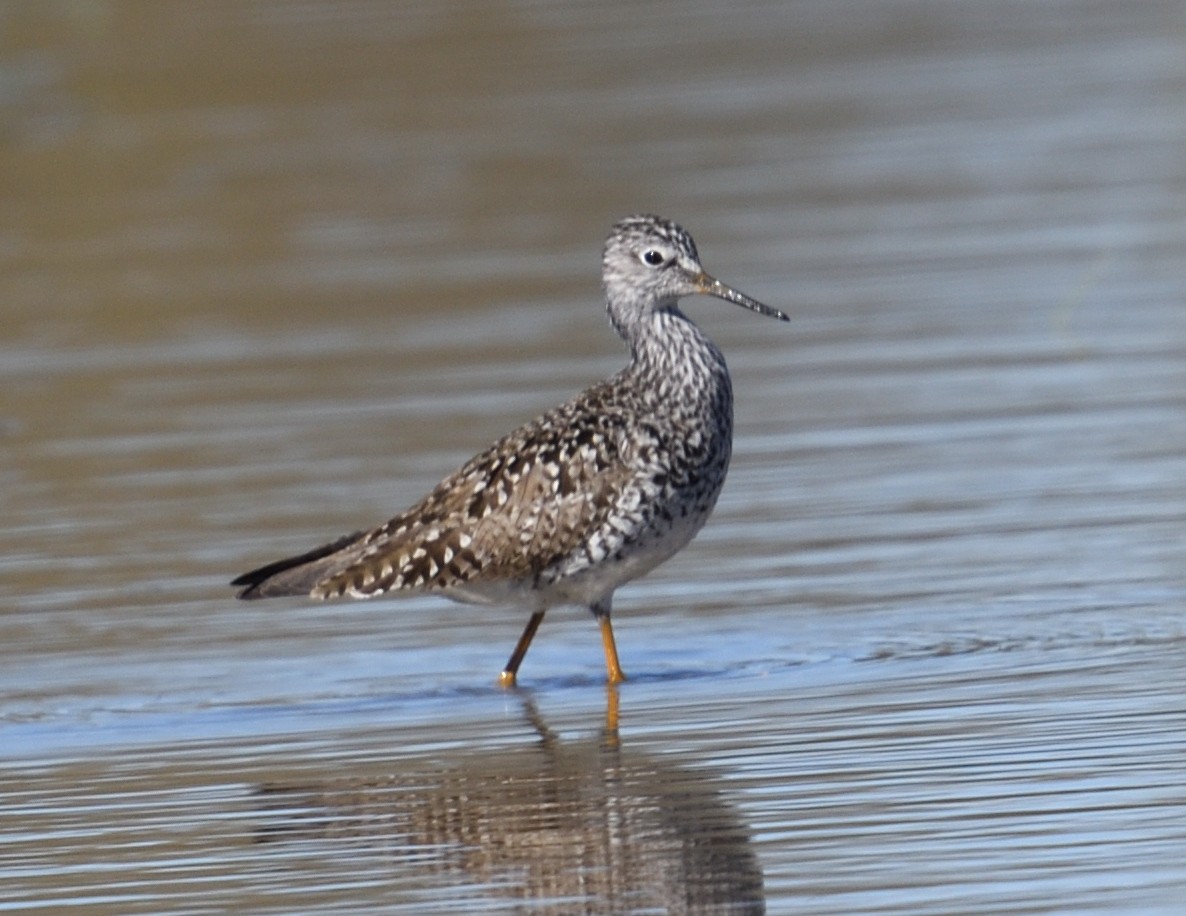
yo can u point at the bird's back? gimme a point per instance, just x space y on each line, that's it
589 495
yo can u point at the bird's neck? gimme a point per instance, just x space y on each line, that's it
673 358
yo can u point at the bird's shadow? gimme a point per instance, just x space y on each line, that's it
555 820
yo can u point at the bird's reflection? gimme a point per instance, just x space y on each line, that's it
573 826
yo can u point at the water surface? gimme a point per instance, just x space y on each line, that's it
268 271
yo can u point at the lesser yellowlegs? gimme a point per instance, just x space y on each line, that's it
586 497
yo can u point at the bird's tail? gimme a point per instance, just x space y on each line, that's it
300 574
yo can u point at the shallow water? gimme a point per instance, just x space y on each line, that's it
267 271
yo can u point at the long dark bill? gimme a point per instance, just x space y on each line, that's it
710 286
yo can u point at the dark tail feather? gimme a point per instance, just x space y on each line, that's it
297 575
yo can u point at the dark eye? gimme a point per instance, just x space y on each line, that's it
653 258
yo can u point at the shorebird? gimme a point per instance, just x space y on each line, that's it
586 497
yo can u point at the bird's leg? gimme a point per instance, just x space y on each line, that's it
610 735
507 678
613 669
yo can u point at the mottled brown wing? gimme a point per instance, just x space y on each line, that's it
527 502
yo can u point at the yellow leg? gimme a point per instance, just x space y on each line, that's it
613 669
611 713
509 673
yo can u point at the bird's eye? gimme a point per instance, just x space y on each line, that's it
653 258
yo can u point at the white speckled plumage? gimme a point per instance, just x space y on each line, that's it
586 497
